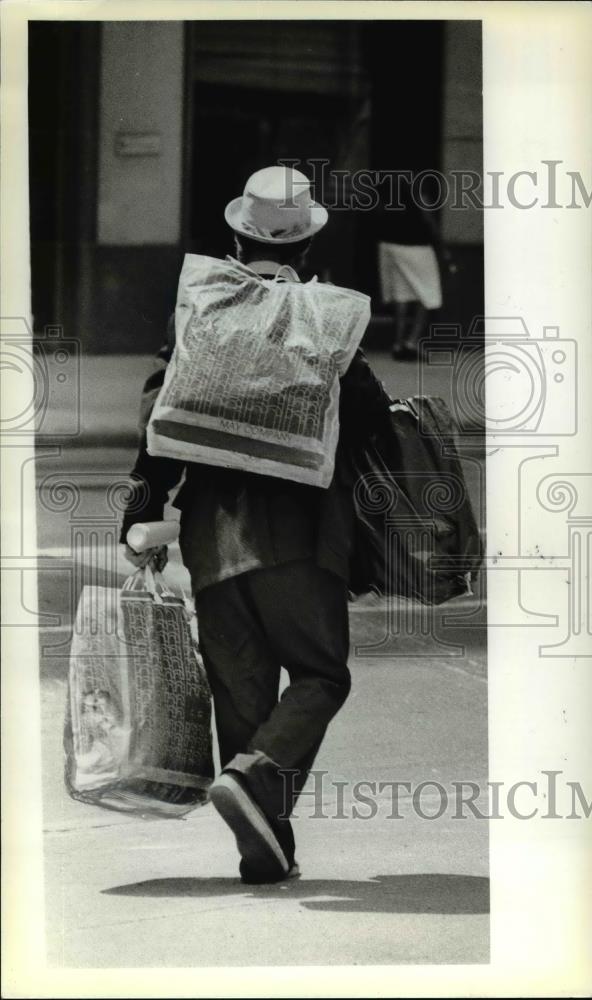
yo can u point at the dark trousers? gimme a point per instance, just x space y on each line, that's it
293 616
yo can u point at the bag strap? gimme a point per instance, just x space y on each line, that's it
434 410
135 582
292 276
145 580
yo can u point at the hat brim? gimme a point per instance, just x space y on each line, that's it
234 218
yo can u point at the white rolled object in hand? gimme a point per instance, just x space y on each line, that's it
152 534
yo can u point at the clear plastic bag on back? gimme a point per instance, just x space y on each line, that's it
253 383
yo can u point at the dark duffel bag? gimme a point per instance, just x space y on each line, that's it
415 533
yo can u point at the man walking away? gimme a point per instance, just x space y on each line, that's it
269 562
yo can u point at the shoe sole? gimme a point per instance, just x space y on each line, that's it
255 839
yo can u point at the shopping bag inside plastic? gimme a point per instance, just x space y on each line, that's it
137 734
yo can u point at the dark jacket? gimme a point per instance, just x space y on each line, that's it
232 521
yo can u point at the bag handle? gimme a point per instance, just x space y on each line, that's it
147 581
292 276
157 584
135 582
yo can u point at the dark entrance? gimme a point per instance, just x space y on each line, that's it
260 92
237 131
355 94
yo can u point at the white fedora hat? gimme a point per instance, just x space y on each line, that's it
276 207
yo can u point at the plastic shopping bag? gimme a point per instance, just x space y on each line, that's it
137 735
253 383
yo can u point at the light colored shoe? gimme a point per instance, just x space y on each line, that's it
257 844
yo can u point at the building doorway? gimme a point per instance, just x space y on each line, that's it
238 130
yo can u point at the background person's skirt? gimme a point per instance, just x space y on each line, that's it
409 274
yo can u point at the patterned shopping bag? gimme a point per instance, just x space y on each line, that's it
137 735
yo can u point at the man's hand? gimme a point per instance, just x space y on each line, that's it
156 558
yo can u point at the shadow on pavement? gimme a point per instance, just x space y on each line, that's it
424 893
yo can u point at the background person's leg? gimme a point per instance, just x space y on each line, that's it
418 321
401 321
